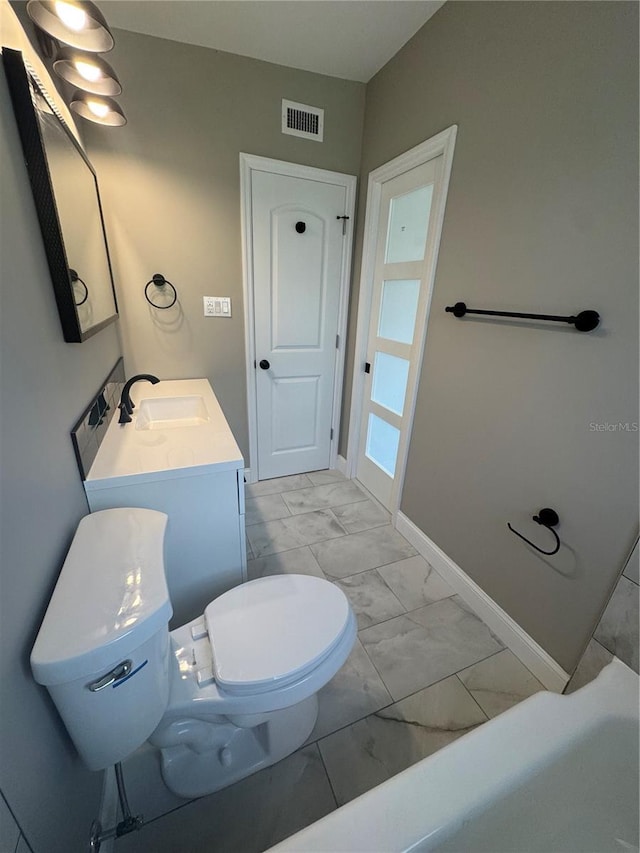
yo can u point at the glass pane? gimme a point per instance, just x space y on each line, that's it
408 222
398 308
382 444
390 375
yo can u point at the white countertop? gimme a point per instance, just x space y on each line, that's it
159 454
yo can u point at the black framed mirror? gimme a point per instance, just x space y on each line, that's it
65 189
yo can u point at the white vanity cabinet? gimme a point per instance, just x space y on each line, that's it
191 470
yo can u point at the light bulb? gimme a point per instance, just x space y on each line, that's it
88 70
98 108
71 16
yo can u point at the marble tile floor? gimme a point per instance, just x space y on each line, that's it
424 671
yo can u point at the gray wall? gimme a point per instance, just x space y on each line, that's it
45 385
541 216
171 182
617 631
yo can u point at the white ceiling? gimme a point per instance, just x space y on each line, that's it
351 39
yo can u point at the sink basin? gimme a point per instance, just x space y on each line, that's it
171 412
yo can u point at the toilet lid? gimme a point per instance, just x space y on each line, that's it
269 632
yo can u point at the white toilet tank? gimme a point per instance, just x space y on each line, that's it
103 648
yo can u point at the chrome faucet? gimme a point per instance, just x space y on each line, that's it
126 405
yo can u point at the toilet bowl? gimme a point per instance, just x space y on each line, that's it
244 678
222 696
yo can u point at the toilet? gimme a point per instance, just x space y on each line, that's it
221 697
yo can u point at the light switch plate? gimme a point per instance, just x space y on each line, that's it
217 306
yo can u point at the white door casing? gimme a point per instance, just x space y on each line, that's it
388 181
296 290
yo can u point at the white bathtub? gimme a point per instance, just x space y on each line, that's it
554 774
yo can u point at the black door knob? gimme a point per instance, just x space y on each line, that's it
264 364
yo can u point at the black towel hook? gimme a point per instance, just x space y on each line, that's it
548 518
159 280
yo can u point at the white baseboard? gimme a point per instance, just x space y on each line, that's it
108 813
248 477
532 655
341 464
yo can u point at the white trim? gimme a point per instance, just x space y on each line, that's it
248 476
247 298
532 655
108 812
343 316
341 464
249 163
441 144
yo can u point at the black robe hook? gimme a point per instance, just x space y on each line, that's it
547 518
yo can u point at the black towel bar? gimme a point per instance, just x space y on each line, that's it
585 321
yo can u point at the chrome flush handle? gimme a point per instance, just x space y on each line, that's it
116 674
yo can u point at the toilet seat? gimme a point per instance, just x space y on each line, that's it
192 696
271 632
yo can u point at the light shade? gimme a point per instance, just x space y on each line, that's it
86 71
78 23
98 109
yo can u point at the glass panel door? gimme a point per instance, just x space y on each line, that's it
382 444
408 223
397 317
398 308
389 386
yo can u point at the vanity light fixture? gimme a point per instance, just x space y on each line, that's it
89 72
98 109
78 23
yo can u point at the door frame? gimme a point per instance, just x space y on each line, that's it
248 164
441 144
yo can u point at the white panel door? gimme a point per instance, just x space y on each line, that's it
403 257
298 245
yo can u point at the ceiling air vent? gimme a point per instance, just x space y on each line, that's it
302 120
